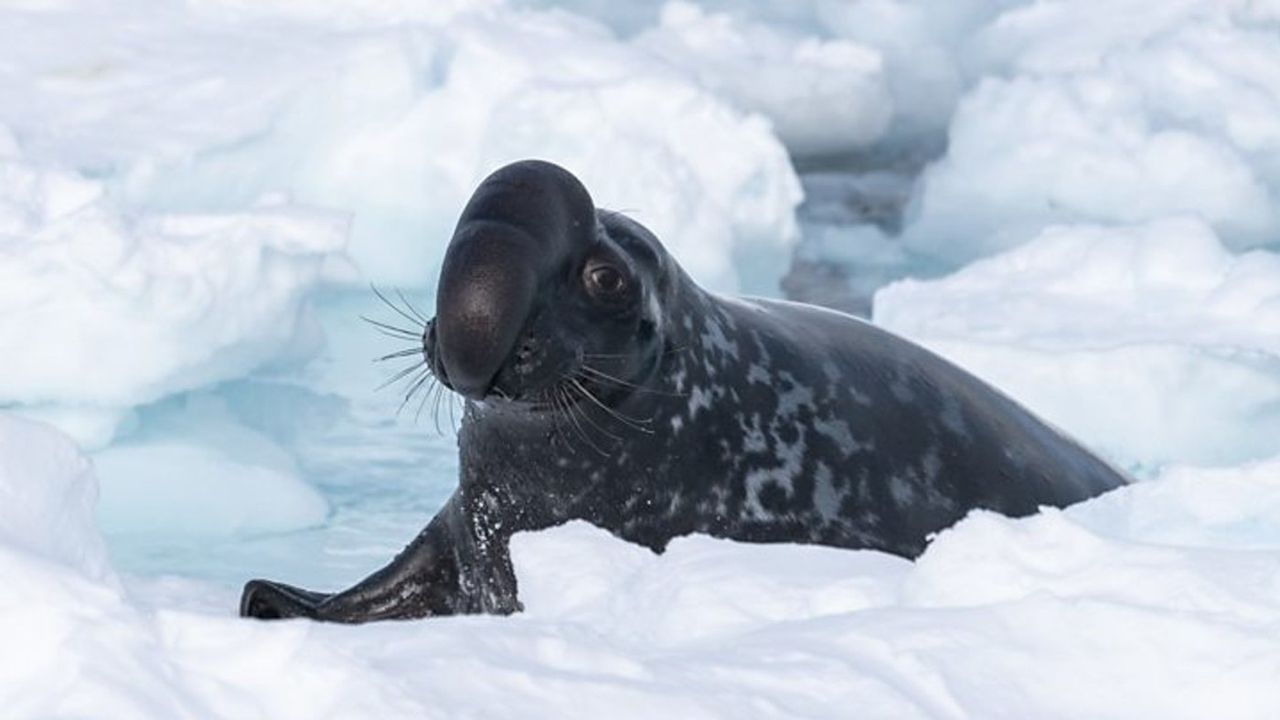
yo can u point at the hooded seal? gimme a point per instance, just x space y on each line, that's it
601 383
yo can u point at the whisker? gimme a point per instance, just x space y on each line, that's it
412 320
556 430
637 424
435 407
399 354
568 404
423 402
587 416
594 424
401 374
412 309
399 331
397 336
602 376
417 383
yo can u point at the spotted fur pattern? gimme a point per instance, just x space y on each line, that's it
762 421
778 422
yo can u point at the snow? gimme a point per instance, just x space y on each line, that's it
1081 117
156 140
1149 601
370 13
919 46
222 106
234 480
215 495
154 305
1076 200
822 95
1151 341
47 498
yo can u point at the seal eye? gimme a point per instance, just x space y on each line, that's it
604 280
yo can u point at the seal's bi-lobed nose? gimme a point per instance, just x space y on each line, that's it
523 221
484 297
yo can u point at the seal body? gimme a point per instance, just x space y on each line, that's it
631 398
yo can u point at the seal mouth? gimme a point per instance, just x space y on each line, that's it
577 394
572 388
542 404
556 397
578 402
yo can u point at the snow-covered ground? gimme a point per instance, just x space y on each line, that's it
1159 600
1079 200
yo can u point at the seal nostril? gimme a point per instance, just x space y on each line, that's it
429 338
430 350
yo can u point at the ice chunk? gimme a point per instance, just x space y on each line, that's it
1085 118
396 126
699 588
823 96
344 13
174 488
47 497
193 470
1235 507
717 187
993 608
921 46
104 311
1152 342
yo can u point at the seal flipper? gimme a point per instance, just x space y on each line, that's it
267 600
444 571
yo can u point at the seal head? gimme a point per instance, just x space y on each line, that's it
535 288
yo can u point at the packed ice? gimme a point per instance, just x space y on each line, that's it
106 310
1079 117
1136 603
1153 341
1078 201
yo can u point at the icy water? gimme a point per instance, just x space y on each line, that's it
385 470
383 474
